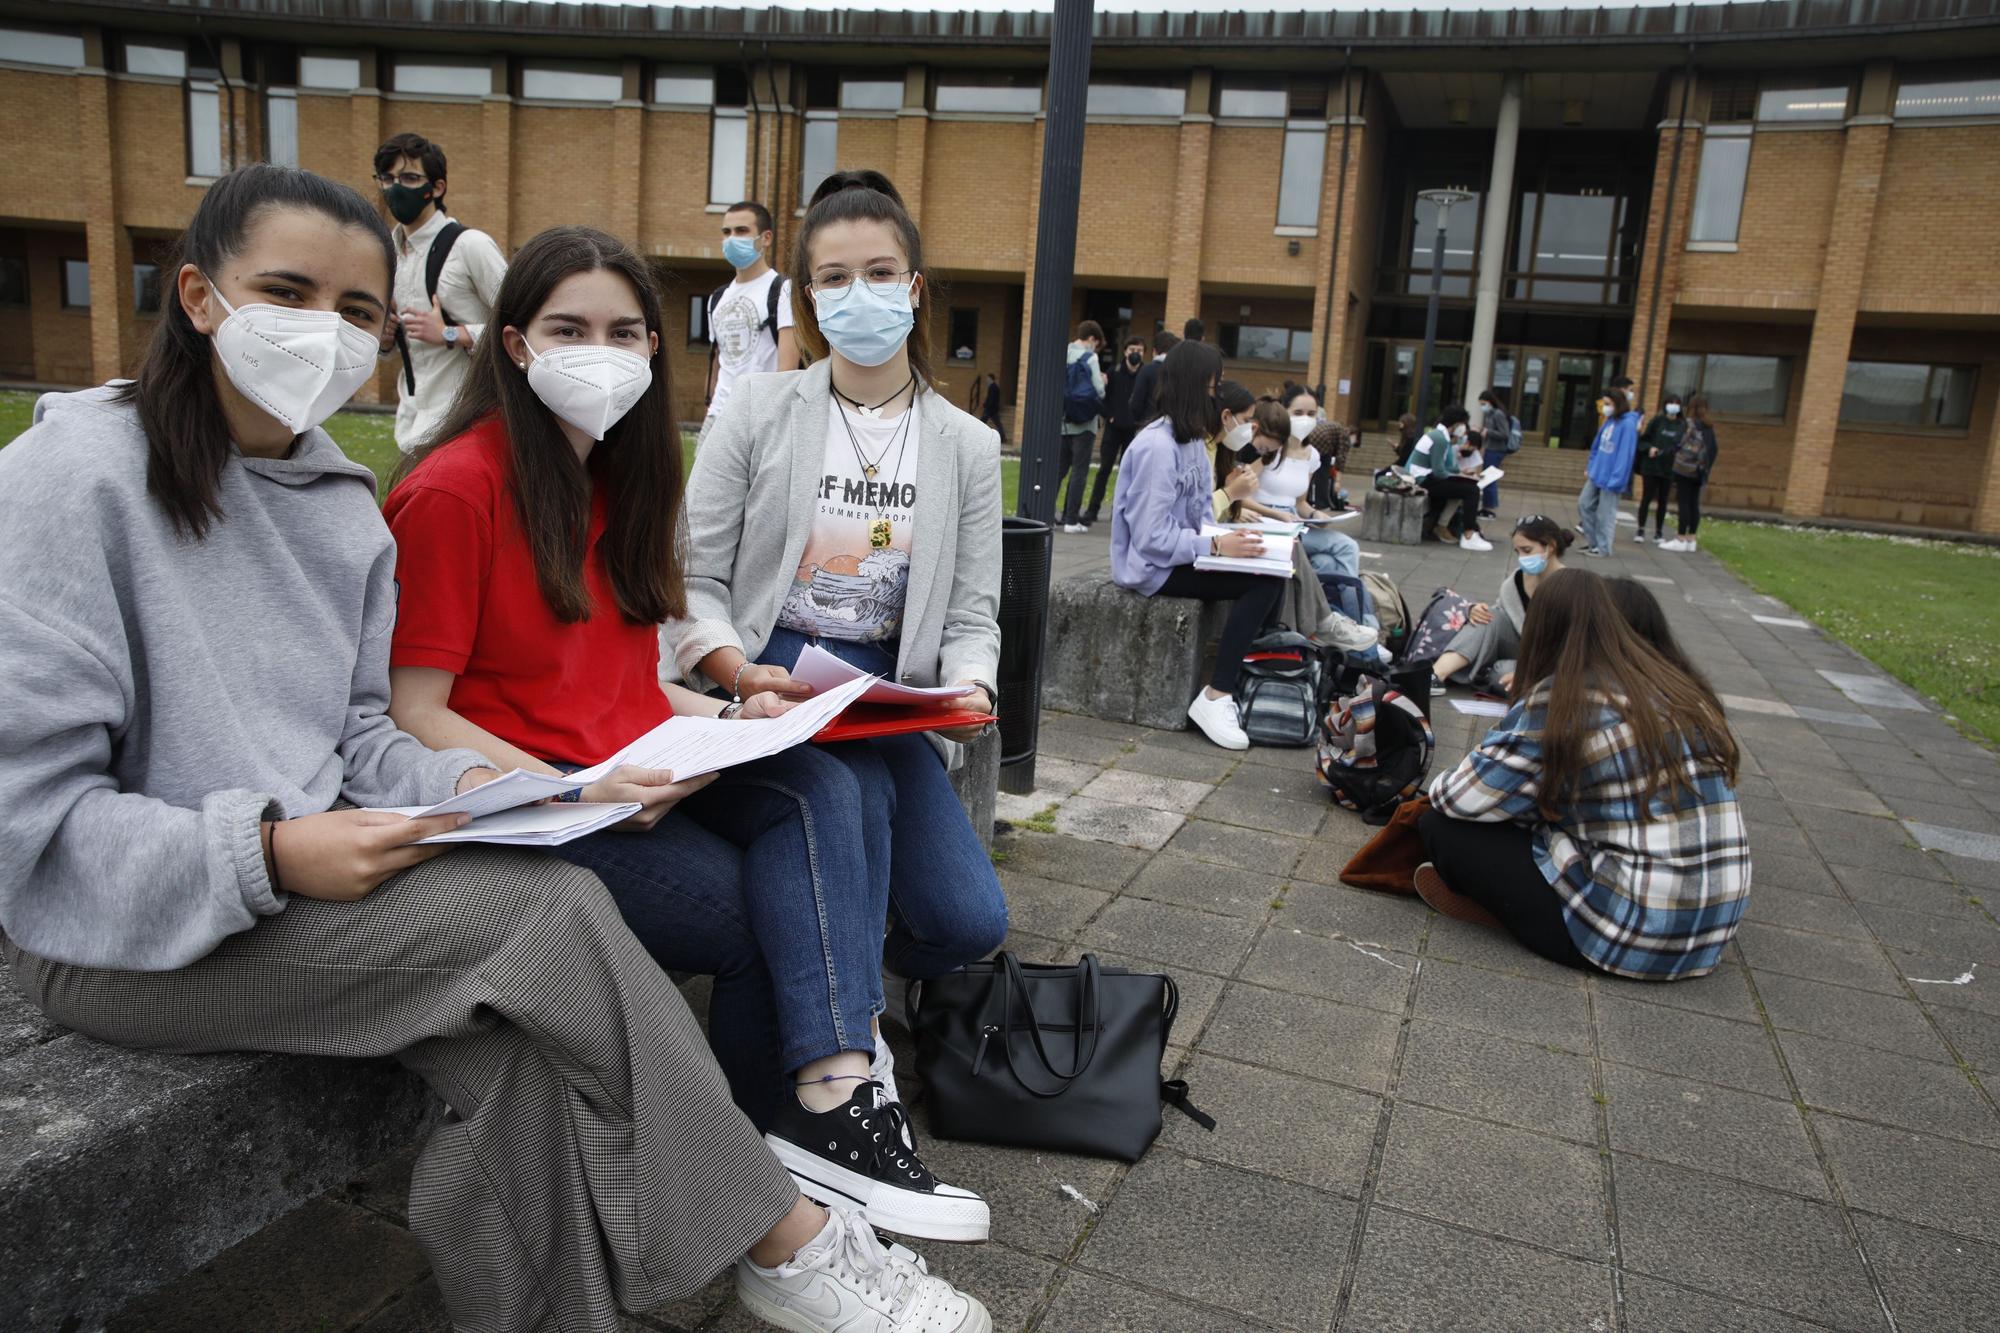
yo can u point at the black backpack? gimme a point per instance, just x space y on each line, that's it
1375 749
433 268
1277 691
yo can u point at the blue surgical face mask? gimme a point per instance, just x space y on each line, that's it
867 322
1532 564
740 251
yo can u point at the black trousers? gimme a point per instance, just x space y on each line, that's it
1654 494
1254 599
1110 449
1688 492
1076 451
1494 865
1444 490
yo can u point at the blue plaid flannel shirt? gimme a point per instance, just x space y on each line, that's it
1654 898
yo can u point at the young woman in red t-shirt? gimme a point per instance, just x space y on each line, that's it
538 548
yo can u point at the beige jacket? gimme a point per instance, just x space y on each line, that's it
750 506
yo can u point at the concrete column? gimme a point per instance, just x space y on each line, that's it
108 246
1493 237
1833 323
913 124
1191 174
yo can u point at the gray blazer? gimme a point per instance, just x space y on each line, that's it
750 506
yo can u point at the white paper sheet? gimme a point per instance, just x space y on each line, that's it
686 746
1328 520
1480 707
1489 476
532 825
823 671
1276 562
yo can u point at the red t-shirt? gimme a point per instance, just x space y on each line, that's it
469 604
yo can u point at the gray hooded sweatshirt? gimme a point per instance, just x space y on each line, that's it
162 696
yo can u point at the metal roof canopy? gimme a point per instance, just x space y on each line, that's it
1633 37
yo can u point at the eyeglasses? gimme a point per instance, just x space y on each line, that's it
884 279
412 180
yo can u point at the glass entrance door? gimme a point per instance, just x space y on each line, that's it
1574 420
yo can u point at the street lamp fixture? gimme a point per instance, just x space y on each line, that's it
1441 200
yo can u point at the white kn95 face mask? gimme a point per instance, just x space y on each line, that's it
299 366
590 387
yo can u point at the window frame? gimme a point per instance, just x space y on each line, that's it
1112 84
681 74
1228 340
1732 136
64 302
825 123
1961 430
945 81
697 333
55 40
19 264
320 59
290 95
1308 130
589 69
741 118
192 89
396 62
952 316
127 45
1783 360
138 289
1945 77
845 105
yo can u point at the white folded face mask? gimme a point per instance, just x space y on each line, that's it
590 387
298 366
1304 426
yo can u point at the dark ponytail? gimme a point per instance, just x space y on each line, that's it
187 436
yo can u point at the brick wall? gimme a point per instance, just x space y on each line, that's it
38 144
1932 246
1126 210
1781 239
1239 243
61 337
978 178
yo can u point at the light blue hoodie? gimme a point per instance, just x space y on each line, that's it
1611 454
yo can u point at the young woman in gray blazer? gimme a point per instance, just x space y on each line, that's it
850 505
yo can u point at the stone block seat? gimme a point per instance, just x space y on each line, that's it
122 1170
1395 520
1116 655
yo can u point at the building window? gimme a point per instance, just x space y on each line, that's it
1247 101
340 73
1895 393
822 142
1718 190
697 321
572 80
281 126
728 150
162 58
1265 342
13 281
1949 97
684 85
1000 91
871 95
204 128
1735 386
32 46
441 76
145 289
1299 176
76 284
964 344
1793 104
1134 99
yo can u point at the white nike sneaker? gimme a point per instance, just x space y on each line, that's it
844 1281
1218 721
1472 541
882 1069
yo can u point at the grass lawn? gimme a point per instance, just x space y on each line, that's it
1927 612
366 438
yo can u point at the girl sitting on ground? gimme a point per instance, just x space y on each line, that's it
1482 654
1598 822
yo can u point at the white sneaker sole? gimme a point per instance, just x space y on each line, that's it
1238 742
905 1212
750 1295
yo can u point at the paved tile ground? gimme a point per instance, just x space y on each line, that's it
1423 1126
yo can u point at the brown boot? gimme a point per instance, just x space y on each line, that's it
1443 898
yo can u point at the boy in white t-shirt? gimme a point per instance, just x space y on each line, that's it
750 319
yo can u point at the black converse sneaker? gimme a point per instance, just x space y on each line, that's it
863 1155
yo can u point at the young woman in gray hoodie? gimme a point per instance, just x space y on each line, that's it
195 626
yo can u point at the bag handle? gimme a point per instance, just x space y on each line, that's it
1087 1020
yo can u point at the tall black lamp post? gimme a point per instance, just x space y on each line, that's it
1442 201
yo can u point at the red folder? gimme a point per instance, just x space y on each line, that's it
862 721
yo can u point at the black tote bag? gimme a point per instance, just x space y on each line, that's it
1061 1057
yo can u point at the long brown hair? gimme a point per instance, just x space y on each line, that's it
1577 644
857 196
638 461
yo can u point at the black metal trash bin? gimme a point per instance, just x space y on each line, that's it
1026 546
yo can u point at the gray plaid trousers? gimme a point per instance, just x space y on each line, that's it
591 1156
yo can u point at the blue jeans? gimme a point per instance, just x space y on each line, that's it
1490 498
946 907
1332 551
1597 515
762 880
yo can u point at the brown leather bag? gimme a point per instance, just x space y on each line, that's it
1390 859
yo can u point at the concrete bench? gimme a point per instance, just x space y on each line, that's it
121 1170
1116 655
1396 520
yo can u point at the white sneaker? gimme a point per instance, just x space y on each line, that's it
1688 544
844 1281
1639 537
883 1069
1472 541
1218 721
1075 528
